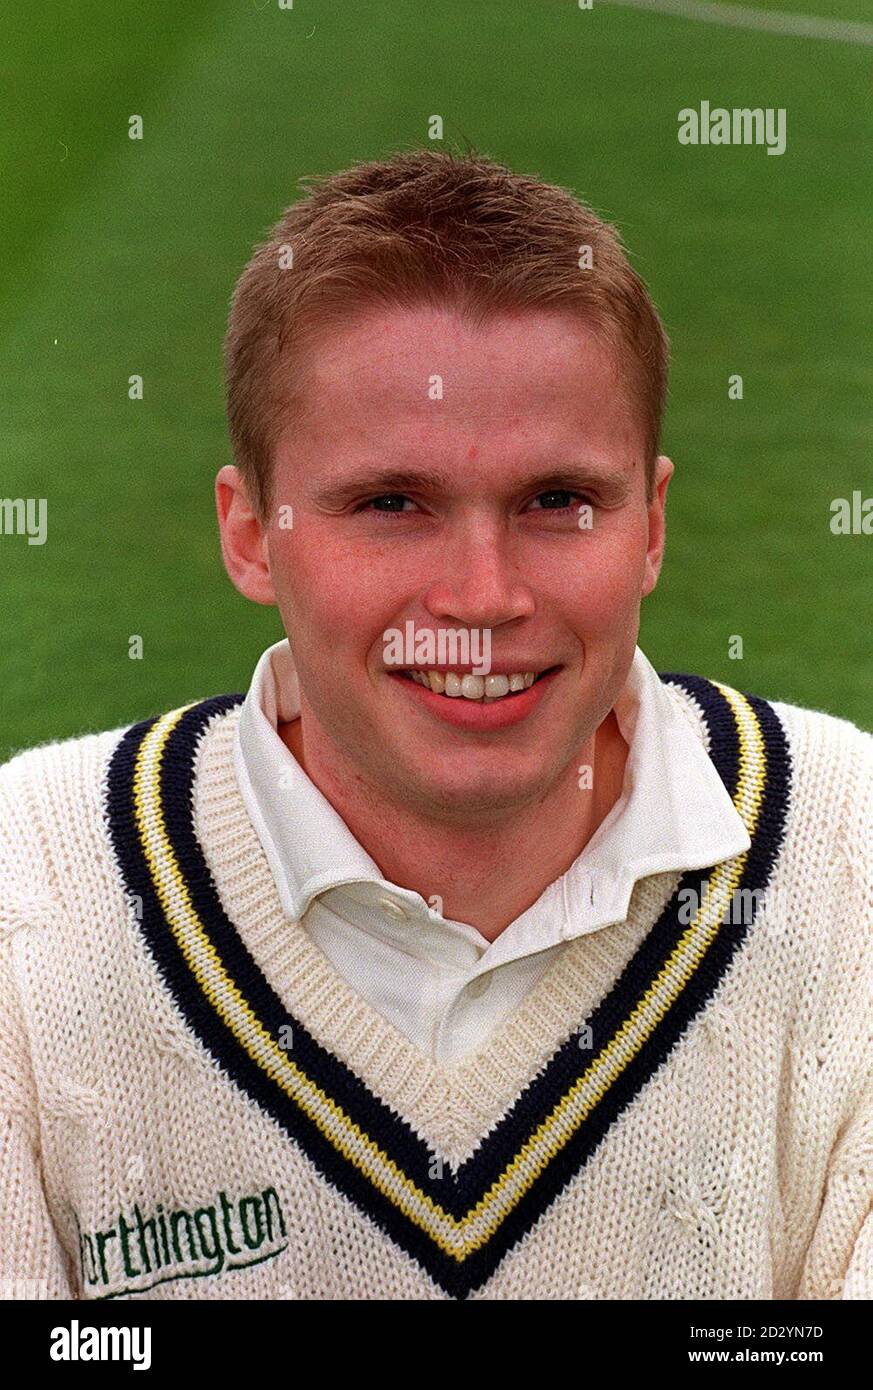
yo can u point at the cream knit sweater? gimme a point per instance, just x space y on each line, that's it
193 1104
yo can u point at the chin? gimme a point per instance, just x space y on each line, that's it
492 791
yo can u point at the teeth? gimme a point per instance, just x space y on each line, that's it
469 687
496 685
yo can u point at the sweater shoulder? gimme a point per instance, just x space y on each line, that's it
51 796
829 824
45 769
827 773
44 760
803 723
828 753
832 774
73 762
53 799
813 735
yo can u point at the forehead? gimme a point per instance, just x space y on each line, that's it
407 379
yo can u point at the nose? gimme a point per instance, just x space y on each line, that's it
479 585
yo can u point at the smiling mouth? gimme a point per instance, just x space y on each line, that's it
485 690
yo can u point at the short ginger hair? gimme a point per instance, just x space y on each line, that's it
427 228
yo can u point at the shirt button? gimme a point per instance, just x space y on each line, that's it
393 909
477 987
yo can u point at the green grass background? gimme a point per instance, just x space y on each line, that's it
119 257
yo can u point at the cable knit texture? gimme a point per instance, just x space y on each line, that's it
148 1139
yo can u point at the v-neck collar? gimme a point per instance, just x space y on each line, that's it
459 1224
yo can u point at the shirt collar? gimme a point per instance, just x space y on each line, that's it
674 812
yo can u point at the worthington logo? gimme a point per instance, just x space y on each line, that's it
75 1343
181 1244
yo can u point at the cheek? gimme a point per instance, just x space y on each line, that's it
325 592
607 580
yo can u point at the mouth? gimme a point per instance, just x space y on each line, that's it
477 706
485 690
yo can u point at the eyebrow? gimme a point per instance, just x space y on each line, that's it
614 486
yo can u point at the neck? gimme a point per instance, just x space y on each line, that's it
485 877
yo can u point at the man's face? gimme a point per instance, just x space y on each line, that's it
504 431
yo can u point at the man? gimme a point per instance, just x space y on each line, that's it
464 956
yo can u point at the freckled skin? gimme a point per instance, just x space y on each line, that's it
521 394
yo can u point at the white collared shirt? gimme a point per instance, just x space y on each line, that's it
439 982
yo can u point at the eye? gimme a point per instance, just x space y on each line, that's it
559 500
389 501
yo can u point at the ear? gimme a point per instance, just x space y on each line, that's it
243 537
657 525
